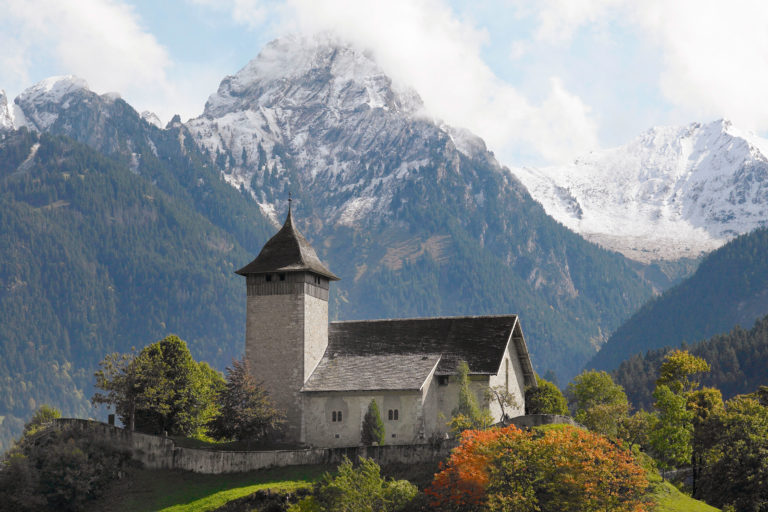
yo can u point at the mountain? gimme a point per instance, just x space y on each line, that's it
729 288
117 232
416 217
672 192
737 360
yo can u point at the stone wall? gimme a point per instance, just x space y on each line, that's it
536 420
157 452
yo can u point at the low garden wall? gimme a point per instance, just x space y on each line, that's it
157 452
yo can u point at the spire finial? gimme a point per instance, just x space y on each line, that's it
290 199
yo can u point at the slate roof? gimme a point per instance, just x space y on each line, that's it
371 373
287 251
396 354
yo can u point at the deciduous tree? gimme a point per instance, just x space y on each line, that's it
545 399
160 389
598 403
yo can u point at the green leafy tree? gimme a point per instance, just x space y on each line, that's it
468 414
161 389
373 427
358 489
735 469
599 404
245 411
635 429
545 399
45 414
679 371
505 399
671 439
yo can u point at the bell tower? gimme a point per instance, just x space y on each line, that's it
286 326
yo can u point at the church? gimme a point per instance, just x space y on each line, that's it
325 375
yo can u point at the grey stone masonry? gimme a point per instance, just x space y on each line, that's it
285 337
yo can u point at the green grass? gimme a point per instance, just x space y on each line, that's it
670 499
175 491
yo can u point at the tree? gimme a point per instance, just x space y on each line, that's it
373 427
679 369
504 398
544 399
468 414
735 471
671 439
636 429
599 404
358 489
45 414
559 469
245 411
161 389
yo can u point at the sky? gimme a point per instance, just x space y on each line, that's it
541 81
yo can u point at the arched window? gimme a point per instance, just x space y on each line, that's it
393 415
333 416
336 416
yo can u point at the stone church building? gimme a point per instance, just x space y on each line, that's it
325 375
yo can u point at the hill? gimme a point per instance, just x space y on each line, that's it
737 359
729 288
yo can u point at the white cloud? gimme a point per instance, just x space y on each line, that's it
713 54
99 40
424 44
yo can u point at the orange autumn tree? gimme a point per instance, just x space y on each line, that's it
564 469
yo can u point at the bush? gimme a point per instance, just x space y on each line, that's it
62 471
358 489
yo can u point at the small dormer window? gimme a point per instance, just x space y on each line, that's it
282 276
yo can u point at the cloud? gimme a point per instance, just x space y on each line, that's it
99 40
425 45
713 54
251 13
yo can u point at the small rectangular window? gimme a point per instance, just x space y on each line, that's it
396 415
282 277
442 380
339 415
268 277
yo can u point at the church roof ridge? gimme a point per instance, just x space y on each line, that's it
287 251
425 318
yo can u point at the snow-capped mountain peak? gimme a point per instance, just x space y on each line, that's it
673 191
41 102
328 107
281 70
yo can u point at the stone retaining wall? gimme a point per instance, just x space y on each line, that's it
536 420
157 452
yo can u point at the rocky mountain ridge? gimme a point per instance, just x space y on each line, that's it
674 191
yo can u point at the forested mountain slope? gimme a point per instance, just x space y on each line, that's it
739 361
96 259
729 288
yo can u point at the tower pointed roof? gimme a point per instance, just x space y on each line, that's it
287 251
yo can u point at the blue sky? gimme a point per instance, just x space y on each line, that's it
540 81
